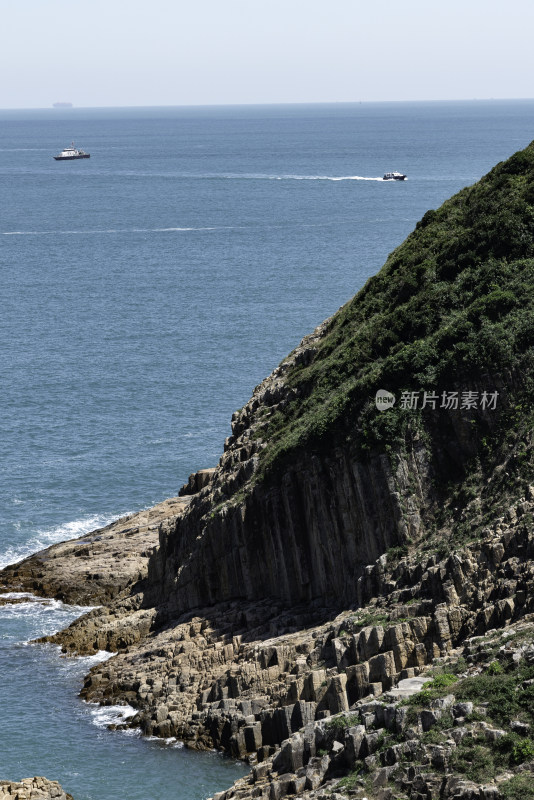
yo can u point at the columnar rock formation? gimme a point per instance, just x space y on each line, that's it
243 677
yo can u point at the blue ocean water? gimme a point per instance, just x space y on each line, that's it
145 292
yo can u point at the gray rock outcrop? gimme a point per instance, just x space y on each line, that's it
33 789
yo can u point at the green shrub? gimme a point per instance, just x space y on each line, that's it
513 749
522 751
505 694
371 618
350 780
459 666
474 760
443 681
435 734
343 722
520 787
498 691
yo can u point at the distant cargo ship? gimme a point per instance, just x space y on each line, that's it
62 105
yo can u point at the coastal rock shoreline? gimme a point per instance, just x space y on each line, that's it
258 680
252 671
103 565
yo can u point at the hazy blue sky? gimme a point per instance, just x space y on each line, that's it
176 52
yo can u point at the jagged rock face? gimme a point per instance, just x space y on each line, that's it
245 676
309 536
33 789
434 747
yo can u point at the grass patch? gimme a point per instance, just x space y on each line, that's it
433 690
350 781
505 694
435 734
442 681
481 761
457 667
373 618
343 722
474 760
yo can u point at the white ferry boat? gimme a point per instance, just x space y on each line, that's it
394 176
71 153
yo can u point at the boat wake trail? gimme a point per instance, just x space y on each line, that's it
268 177
322 178
245 176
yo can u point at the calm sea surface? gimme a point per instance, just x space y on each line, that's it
145 292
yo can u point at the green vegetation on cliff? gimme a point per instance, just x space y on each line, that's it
451 310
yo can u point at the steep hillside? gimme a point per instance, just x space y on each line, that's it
315 482
452 308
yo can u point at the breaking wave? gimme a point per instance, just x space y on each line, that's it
110 715
45 537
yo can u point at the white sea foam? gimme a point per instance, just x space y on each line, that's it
29 605
172 741
177 229
79 665
104 716
261 176
44 537
110 715
97 658
27 618
165 230
33 605
191 229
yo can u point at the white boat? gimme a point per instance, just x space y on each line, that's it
71 153
394 176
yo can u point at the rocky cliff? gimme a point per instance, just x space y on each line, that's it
338 550
315 483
